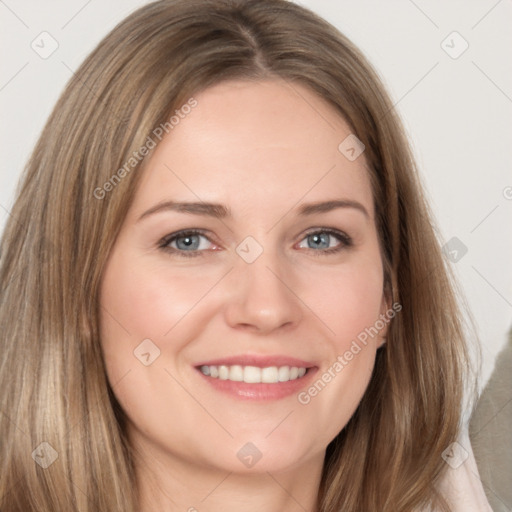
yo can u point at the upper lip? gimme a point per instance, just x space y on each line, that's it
261 361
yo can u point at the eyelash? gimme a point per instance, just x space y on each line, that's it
345 240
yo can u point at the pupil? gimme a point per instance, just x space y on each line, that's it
320 240
187 242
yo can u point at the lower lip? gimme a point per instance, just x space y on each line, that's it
263 391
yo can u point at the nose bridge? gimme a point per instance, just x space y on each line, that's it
262 298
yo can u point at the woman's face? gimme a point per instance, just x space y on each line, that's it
239 345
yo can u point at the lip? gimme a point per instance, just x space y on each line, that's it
260 361
261 391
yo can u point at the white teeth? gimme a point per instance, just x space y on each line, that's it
269 374
223 372
284 373
236 373
254 374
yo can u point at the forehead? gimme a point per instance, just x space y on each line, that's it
252 143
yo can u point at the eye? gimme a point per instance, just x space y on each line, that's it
328 241
192 242
186 243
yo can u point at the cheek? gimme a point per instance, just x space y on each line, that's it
348 299
139 302
147 300
359 303
339 385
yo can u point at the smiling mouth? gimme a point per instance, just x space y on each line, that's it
254 374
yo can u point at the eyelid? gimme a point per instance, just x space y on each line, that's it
166 240
331 231
344 239
184 232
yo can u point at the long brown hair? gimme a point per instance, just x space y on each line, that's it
56 400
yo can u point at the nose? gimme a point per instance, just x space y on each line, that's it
262 298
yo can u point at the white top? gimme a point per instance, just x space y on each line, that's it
462 487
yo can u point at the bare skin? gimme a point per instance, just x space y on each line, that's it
263 150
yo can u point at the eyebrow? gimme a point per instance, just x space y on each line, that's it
220 211
327 206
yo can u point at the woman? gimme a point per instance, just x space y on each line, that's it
223 289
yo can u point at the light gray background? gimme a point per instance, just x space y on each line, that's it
457 112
